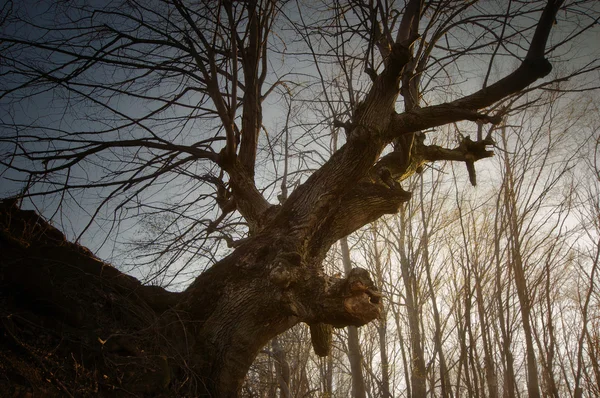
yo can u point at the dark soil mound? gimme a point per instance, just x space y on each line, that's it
72 325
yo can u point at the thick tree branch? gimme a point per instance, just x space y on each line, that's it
409 25
534 67
465 108
364 203
468 151
309 205
252 110
354 300
381 193
408 33
311 202
249 201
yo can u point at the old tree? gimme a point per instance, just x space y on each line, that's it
162 109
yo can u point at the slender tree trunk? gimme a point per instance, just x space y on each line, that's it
549 377
490 372
533 388
382 324
354 355
446 391
282 368
463 365
405 363
418 371
385 366
327 376
472 344
594 356
509 383
578 393
516 262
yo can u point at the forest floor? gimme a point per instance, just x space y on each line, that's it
70 324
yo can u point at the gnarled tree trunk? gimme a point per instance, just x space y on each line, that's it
274 279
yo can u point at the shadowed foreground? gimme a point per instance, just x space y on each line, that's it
72 325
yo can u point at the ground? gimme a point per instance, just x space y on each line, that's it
72 325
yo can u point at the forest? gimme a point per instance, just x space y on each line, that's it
263 198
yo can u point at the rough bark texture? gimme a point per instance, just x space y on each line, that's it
354 354
201 342
143 339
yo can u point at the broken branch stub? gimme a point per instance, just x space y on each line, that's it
351 301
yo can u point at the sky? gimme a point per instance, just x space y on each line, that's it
60 109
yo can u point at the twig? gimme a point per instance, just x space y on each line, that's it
36 359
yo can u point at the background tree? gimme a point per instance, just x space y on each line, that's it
147 98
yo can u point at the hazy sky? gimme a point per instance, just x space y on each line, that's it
61 109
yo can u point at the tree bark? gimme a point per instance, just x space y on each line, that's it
520 279
282 368
255 294
418 373
354 355
274 279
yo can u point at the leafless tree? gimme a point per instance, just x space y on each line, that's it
174 96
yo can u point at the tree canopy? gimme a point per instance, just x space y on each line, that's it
250 136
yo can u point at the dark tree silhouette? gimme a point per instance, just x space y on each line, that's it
171 94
